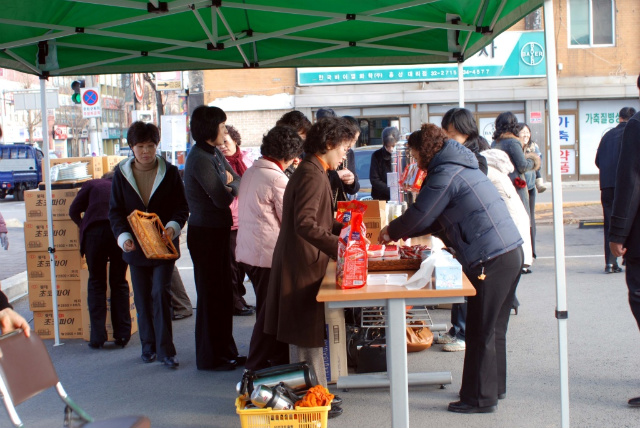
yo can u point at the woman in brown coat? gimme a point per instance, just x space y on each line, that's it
308 237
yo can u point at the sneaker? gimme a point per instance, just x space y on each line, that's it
443 339
455 346
540 185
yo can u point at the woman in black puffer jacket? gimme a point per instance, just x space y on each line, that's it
460 204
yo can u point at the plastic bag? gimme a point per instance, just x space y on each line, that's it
351 269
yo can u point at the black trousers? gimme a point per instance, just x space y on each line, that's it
209 249
100 248
237 275
485 360
632 272
264 350
152 295
606 197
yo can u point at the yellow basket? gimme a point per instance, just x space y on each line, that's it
301 417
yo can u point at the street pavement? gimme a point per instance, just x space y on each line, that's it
602 372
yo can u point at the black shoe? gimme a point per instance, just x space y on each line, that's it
335 411
634 402
148 357
247 311
121 342
612 269
96 345
226 366
241 360
336 401
502 396
526 271
171 362
460 407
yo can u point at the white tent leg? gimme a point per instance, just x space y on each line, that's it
558 226
47 181
460 85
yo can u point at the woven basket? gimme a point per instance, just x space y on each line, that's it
149 232
402 264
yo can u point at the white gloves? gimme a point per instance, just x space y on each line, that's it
4 240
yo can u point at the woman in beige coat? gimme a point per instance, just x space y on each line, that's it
308 237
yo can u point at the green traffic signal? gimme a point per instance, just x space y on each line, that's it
75 98
75 86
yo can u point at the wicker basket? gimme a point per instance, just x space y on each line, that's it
149 232
402 264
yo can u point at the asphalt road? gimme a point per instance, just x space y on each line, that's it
602 350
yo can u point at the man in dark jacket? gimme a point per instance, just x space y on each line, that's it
624 231
607 161
381 164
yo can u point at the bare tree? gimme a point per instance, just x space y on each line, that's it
150 79
71 116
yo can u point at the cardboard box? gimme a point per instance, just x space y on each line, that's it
94 164
69 324
375 209
86 327
374 226
108 162
335 346
35 204
69 295
66 235
68 264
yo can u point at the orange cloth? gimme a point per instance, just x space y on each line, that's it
316 397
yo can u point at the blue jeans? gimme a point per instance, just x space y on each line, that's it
458 320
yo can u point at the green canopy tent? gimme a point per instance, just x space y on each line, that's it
85 37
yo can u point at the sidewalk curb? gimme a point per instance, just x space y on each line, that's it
15 286
545 206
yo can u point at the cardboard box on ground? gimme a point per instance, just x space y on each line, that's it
335 347
375 218
74 323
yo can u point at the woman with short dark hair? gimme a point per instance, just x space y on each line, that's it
308 237
259 218
211 185
149 183
459 203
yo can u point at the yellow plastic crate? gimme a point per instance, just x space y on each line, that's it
301 417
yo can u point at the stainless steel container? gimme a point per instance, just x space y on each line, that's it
264 396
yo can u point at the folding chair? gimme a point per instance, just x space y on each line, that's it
26 370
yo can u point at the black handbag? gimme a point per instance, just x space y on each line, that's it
372 357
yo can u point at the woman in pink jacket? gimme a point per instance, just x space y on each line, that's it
260 214
239 160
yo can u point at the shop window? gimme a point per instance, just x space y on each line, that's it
591 23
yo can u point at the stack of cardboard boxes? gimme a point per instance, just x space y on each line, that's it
71 273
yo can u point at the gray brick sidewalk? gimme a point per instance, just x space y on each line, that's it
13 261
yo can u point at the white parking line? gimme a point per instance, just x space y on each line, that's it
570 257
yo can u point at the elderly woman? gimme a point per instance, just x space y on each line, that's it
459 203
259 220
298 121
308 237
148 183
239 160
211 185
381 164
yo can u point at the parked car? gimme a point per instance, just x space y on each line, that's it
363 163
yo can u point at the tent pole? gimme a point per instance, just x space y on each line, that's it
47 182
460 85
558 226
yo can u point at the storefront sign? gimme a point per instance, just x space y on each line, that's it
512 54
567 161
535 117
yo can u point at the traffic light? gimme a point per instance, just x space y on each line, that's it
76 85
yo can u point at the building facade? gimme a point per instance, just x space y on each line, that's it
597 66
